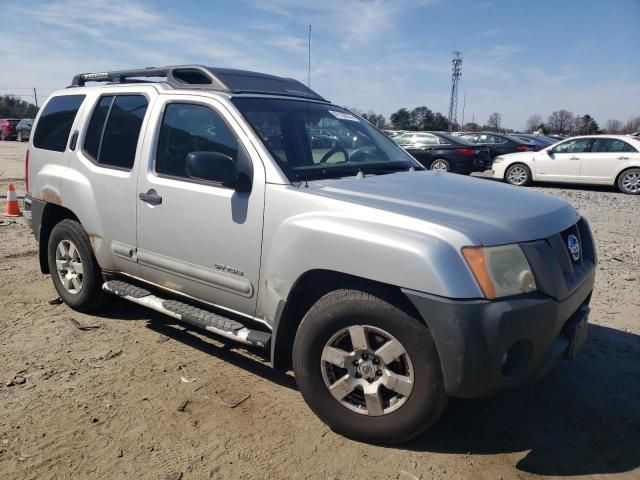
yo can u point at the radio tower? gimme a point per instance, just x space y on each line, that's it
456 73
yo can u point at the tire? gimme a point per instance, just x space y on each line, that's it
19 137
83 291
518 174
441 165
328 321
2 137
629 181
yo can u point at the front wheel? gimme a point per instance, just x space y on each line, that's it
367 368
518 174
74 269
629 181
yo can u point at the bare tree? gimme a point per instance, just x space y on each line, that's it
533 123
613 126
495 119
632 126
561 121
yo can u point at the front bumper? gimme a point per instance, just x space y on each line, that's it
487 346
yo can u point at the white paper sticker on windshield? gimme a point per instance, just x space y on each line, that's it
343 116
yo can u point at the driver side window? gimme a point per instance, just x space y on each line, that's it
572 146
190 128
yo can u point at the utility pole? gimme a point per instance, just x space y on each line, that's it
35 96
456 73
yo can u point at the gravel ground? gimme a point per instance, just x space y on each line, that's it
103 401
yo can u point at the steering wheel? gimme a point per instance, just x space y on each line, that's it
363 154
332 152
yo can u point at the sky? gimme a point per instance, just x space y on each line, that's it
519 57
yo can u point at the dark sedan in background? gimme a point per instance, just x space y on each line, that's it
499 143
541 141
441 151
23 129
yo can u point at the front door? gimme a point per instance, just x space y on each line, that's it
197 237
562 162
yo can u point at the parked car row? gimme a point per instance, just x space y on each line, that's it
15 129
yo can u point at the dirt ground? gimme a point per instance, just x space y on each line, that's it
103 402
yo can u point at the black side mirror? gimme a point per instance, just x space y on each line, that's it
213 167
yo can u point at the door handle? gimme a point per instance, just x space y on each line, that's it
151 197
623 158
574 158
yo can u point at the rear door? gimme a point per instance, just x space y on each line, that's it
606 158
562 162
101 187
197 237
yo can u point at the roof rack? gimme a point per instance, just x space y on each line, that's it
205 78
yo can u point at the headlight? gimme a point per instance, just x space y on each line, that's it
500 271
498 160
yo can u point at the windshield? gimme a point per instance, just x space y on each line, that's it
313 140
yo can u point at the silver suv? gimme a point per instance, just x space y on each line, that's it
386 287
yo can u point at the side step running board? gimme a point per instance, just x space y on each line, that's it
191 314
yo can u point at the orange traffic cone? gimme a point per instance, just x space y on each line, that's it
13 209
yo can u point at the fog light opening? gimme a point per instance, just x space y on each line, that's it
516 358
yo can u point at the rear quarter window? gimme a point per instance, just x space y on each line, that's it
56 120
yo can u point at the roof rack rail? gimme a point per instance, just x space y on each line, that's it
205 78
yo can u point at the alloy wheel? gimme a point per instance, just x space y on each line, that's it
517 175
69 266
367 370
631 182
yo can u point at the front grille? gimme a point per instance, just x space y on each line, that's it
557 273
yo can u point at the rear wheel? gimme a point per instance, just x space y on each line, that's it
368 369
518 174
629 181
74 269
440 164
19 137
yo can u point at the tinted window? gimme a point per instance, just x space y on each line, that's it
55 122
190 128
96 125
572 146
114 144
604 145
120 137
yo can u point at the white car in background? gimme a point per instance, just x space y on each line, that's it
594 159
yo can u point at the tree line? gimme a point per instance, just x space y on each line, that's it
13 107
562 122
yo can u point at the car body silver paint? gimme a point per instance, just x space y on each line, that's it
403 229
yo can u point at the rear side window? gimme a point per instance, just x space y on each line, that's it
55 122
190 128
610 145
113 131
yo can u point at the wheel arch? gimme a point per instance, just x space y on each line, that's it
52 214
307 290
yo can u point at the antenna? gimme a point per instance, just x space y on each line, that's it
464 104
456 73
309 61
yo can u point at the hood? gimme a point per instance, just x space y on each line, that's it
490 212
